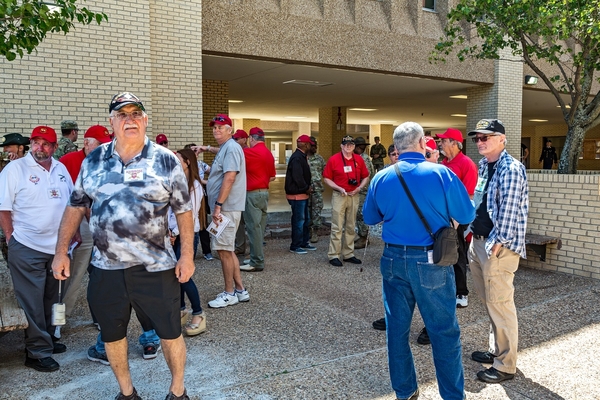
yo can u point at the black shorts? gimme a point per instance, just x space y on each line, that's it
153 295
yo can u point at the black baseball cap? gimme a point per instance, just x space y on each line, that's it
488 127
122 99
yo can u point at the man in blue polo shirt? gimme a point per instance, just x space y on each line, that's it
409 276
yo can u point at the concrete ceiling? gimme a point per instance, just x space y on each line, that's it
259 84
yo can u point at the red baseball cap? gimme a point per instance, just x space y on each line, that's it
451 133
256 131
161 138
98 132
304 139
240 134
220 119
44 132
430 143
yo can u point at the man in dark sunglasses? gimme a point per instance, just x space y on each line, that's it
501 202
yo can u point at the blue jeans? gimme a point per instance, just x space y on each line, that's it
145 338
408 279
300 222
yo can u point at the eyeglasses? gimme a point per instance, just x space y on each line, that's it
122 116
481 138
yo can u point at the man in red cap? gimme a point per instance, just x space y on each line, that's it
260 171
346 173
94 137
297 191
162 140
34 191
241 137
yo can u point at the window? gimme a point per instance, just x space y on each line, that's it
429 4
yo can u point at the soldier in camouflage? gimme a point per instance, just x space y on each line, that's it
66 144
317 164
378 153
363 229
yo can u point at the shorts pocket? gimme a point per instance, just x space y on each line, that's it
386 266
432 276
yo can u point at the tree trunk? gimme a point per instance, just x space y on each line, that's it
573 147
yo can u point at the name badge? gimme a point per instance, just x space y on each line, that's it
134 175
54 193
347 168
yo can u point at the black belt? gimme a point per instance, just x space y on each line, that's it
480 237
401 246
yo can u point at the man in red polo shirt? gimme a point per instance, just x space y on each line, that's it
346 173
260 170
94 137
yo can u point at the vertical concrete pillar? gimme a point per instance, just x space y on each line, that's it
503 101
330 137
303 129
176 69
249 123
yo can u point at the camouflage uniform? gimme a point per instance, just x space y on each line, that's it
317 164
378 162
363 229
65 145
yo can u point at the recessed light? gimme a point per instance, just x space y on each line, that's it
459 115
235 101
567 106
388 122
305 82
294 117
538 120
362 109
459 96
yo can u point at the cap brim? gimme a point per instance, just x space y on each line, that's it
126 103
484 131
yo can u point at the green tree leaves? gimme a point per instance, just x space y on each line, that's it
25 23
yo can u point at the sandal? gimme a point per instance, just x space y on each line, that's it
192 329
185 315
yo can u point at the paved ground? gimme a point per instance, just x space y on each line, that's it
306 334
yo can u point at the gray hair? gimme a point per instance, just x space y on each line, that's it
407 135
459 144
258 138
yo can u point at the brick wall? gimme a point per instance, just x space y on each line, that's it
566 206
215 95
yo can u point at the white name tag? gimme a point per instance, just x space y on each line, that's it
54 193
134 174
347 168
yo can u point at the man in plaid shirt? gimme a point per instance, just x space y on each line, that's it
501 205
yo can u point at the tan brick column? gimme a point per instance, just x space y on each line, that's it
503 101
214 101
176 70
329 136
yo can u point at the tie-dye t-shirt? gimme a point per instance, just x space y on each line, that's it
129 204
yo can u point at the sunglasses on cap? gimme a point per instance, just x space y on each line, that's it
219 119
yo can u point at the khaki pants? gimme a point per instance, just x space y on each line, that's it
343 221
493 280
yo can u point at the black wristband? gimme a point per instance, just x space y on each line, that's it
218 204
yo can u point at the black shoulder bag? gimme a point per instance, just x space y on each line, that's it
445 241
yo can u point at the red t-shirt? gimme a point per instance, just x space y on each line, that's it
465 169
73 161
340 170
260 167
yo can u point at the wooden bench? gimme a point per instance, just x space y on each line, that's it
12 316
538 243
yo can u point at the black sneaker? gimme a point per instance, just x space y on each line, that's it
336 262
379 324
492 375
151 351
184 396
59 348
46 364
353 260
423 337
132 396
484 357
96 356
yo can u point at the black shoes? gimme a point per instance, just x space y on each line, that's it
379 324
184 396
492 375
46 364
484 357
353 260
336 262
423 337
132 396
59 348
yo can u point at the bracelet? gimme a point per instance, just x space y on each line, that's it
208 148
218 204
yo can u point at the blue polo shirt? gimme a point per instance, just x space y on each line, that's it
436 189
129 204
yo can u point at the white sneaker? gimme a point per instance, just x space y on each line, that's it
462 301
223 300
247 268
243 295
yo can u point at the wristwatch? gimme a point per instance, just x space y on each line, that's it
218 204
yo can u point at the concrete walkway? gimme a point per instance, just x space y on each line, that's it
306 334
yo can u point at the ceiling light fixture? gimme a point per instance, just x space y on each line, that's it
459 115
307 83
460 96
294 117
538 120
362 109
567 106
235 101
